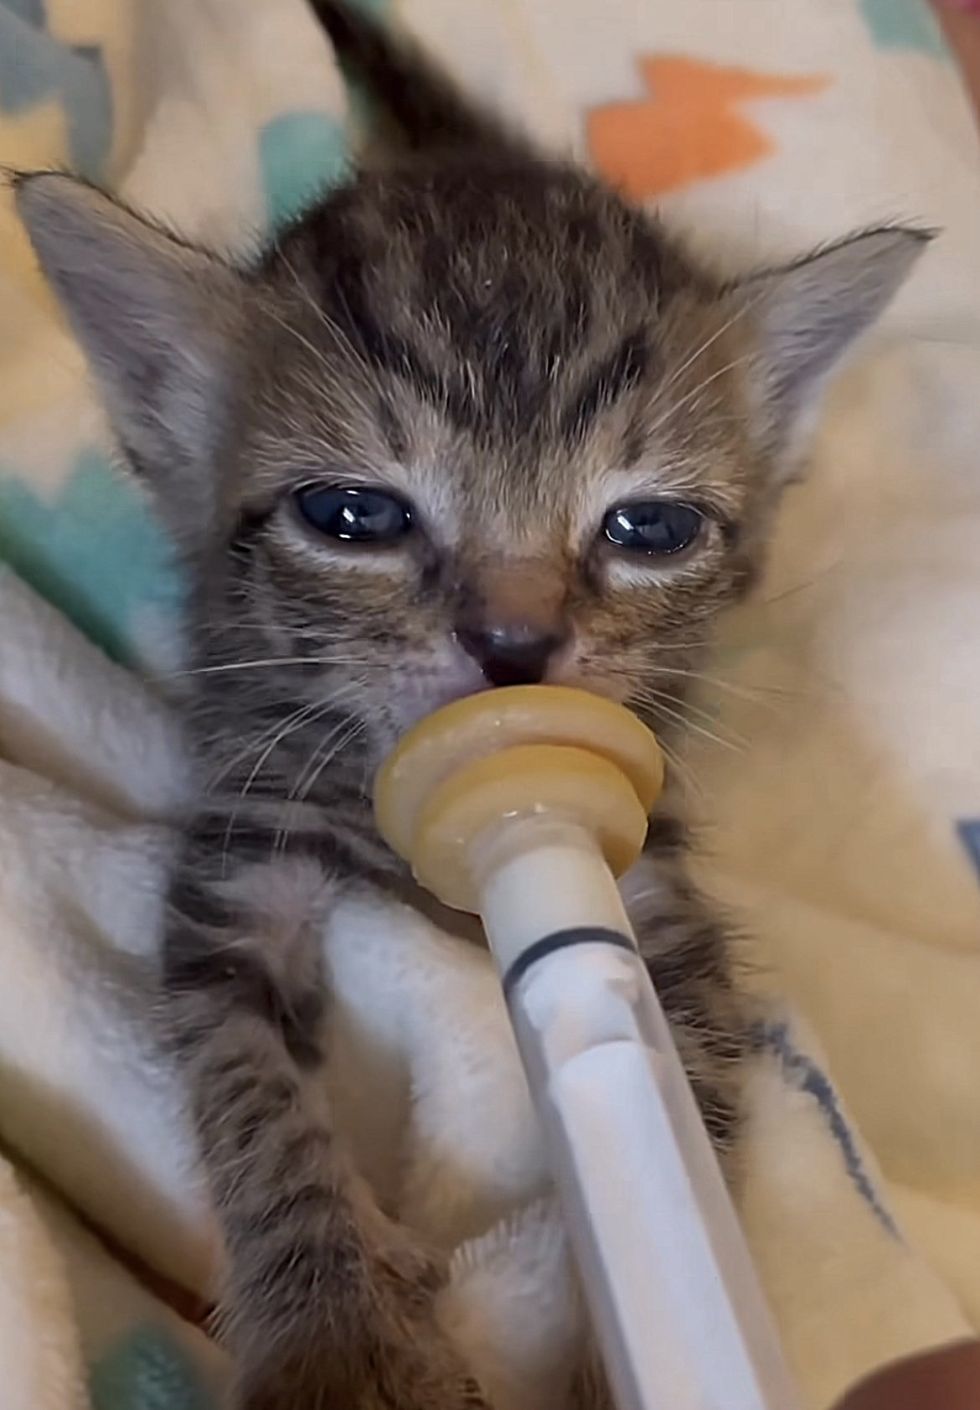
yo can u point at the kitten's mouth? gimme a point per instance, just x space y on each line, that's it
449 694
419 693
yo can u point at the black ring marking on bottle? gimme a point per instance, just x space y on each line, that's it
563 940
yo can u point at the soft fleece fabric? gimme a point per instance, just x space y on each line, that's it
845 816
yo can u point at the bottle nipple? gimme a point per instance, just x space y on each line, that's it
521 752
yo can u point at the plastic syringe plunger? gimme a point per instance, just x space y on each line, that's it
523 806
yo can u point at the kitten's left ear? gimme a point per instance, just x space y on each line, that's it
157 321
806 317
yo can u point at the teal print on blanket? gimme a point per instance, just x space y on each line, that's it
94 551
147 1371
36 68
904 24
300 155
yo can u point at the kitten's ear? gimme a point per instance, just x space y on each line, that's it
156 320
807 316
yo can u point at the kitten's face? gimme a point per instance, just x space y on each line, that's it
497 434
462 426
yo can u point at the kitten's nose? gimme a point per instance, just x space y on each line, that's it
516 654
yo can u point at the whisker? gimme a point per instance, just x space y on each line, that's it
753 693
796 588
269 661
690 708
658 706
303 340
334 329
323 751
685 773
319 759
709 342
298 717
695 392
252 744
295 722
694 644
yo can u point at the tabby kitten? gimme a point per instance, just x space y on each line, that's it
471 421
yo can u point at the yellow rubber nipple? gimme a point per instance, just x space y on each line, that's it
518 752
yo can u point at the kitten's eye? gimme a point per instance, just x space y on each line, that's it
354 515
654 526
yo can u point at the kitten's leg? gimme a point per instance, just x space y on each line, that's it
590 1388
327 1304
688 950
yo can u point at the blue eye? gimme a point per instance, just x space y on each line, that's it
656 526
355 515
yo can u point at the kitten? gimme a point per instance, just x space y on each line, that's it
470 421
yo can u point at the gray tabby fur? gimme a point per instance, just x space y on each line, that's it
503 340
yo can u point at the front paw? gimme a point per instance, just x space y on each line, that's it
408 1366
414 1366
406 1274
416 1369
376 1344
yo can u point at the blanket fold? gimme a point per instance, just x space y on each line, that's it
844 818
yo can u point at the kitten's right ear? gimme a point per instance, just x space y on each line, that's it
156 320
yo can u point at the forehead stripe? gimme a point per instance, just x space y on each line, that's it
603 385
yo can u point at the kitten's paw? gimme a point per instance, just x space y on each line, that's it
421 1372
411 1369
413 1366
407 1273
380 1348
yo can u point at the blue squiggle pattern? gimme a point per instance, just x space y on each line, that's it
969 834
803 1073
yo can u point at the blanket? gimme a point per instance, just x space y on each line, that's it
107 1247
839 757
